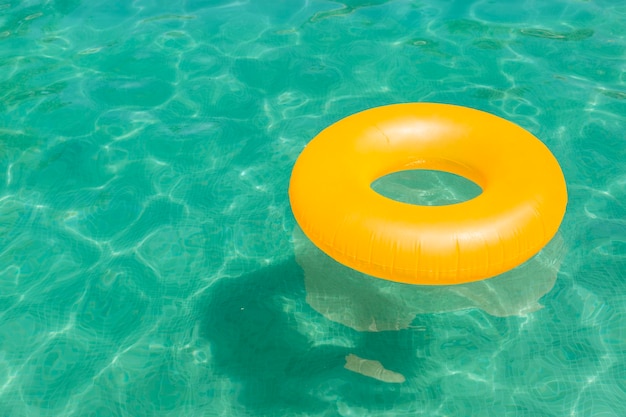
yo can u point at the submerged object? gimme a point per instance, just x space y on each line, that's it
372 369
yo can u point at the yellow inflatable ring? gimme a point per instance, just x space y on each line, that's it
521 206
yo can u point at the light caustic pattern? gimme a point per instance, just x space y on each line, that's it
147 265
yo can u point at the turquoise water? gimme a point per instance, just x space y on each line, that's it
148 265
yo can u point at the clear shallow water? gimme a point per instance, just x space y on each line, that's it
147 264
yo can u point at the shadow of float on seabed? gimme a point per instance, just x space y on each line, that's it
284 358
